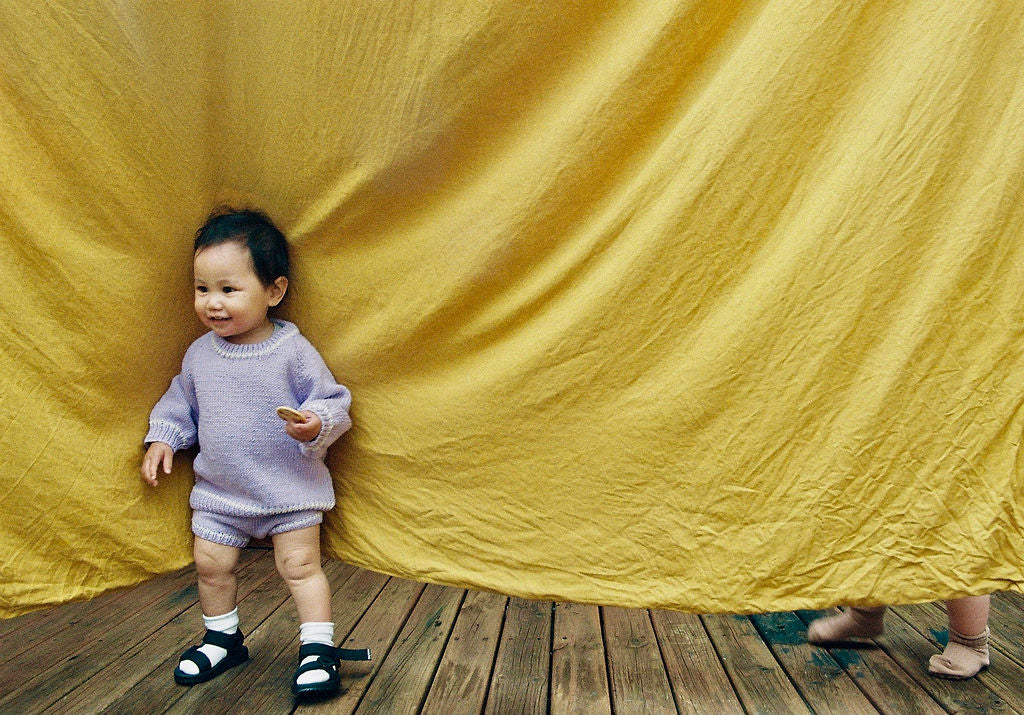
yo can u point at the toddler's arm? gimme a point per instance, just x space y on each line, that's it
172 426
322 396
174 418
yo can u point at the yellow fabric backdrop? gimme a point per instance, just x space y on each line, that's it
697 304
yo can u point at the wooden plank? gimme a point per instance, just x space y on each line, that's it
11 625
401 683
54 622
462 678
99 663
80 615
377 630
46 622
24 633
579 671
816 675
1006 622
699 682
991 691
760 682
132 668
57 667
1010 599
636 672
523 666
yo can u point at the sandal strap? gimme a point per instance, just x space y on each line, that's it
320 663
319 649
354 653
198 657
227 641
336 654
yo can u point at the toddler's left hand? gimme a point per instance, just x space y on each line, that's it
304 431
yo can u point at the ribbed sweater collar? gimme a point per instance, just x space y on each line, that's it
222 347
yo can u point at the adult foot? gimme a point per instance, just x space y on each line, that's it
964 656
852 624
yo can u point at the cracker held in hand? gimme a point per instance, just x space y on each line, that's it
287 413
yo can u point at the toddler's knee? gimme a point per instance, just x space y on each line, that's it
212 571
213 564
298 565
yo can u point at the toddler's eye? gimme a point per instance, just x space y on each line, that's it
200 289
229 289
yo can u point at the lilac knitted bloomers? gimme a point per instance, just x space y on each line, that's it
224 399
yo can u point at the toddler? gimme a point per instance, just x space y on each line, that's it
965 654
256 476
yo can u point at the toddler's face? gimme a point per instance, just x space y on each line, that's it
230 299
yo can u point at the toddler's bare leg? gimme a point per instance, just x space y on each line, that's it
969 614
853 623
218 587
298 561
297 554
966 652
218 591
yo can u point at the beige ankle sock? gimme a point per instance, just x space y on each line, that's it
851 624
963 658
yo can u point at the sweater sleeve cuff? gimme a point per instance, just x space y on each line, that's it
168 434
332 426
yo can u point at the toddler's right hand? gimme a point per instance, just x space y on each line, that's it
159 453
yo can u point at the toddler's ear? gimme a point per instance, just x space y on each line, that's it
277 290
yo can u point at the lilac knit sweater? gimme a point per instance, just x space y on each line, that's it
225 397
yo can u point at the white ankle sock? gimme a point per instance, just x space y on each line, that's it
225 623
314 632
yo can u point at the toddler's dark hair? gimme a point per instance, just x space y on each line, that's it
266 244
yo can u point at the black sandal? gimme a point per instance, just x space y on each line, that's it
232 643
327 660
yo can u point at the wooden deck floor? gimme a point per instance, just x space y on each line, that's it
446 650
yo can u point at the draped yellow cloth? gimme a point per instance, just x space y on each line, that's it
707 305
